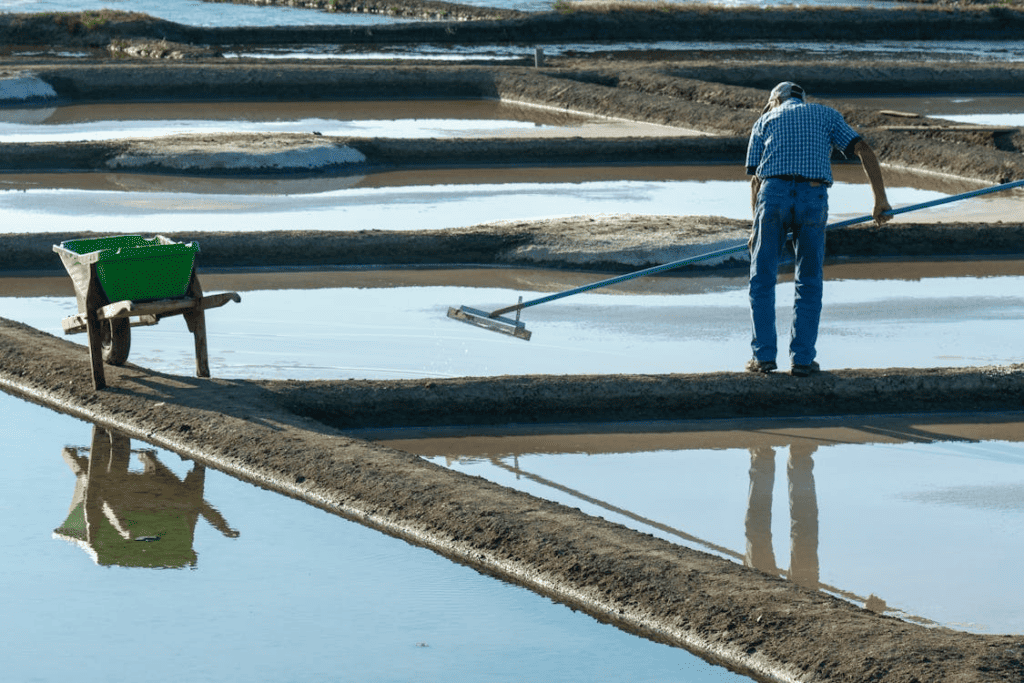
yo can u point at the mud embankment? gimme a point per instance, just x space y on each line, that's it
610 243
465 25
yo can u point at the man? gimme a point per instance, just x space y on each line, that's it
789 155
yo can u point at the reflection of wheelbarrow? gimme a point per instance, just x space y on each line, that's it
127 518
122 282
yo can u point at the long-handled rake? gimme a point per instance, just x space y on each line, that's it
497 321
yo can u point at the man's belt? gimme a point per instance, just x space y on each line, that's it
799 179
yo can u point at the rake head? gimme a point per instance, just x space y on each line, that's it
495 323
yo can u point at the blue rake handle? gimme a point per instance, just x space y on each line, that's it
740 247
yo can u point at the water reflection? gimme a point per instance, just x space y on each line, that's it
804 568
803 513
128 518
844 540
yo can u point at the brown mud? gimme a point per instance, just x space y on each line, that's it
288 436
470 25
605 243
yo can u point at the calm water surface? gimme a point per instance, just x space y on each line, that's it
254 586
895 518
391 119
659 325
722 51
197 13
364 202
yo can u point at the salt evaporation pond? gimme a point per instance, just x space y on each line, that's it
387 325
958 51
905 516
414 119
425 200
190 575
198 13
978 110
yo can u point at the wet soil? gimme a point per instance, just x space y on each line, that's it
288 435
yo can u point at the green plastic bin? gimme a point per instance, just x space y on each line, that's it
130 267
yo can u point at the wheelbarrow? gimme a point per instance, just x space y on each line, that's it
127 281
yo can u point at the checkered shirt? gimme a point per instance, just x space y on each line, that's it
796 138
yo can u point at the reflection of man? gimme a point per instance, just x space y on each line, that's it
789 156
760 553
803 514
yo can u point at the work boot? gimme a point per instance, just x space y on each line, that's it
805 370
761 366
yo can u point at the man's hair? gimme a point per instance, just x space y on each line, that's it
782 92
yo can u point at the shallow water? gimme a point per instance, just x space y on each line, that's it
438 200
414 118
720 51
427 199
390 119
915 517
387 325
197 13
255 586
982 110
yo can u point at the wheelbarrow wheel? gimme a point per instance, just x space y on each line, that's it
115 340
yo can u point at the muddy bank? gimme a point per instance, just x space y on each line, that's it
761 625
612 243
662 91
988 156
464 25
602 399
295 153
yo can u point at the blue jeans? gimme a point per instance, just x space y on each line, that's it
787 206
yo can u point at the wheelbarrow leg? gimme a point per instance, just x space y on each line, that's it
196 321
94 300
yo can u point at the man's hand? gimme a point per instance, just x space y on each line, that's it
874 173
879 213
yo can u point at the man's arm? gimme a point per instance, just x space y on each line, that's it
874 173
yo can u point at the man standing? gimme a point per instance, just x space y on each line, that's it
789 157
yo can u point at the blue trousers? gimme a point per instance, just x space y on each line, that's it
785 206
